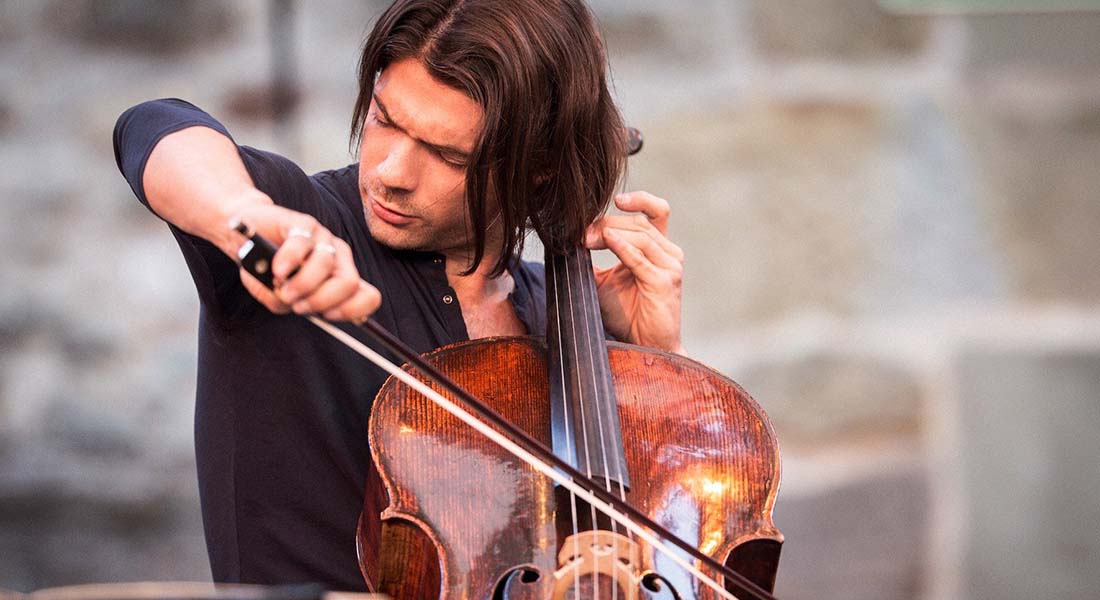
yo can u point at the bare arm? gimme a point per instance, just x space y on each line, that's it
195 179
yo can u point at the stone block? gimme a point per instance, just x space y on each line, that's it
1028 448
769 203
859 541
7 116
1052 40
11 18
822 397
1035 138
163 27
858 30
652 30
50 537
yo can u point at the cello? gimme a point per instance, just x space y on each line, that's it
465 518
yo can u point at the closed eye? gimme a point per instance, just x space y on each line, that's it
456 163
382 122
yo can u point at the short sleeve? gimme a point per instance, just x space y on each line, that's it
216 275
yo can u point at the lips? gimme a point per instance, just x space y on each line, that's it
387 214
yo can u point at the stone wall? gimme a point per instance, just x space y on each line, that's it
890 228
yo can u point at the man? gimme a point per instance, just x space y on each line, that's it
475 121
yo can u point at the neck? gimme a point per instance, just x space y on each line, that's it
484 299
480 283
460 259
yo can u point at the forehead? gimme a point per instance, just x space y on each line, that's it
427 109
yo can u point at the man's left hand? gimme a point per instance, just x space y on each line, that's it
640 297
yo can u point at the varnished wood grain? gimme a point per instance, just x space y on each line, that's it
702 457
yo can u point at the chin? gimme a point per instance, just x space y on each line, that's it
392 237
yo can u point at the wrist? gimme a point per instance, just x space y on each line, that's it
222 235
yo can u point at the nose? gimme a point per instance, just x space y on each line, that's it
397 171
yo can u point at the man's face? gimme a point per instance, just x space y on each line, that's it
416 142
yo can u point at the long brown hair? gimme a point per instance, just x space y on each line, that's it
553 147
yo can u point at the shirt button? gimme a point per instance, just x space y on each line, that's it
448 299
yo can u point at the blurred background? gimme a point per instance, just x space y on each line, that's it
889 210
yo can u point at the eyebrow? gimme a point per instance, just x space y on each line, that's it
441 148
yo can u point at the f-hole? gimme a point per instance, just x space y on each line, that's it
519 576
656 583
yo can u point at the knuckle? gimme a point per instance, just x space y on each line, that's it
373 296
676 277
660 204
349 286
272 303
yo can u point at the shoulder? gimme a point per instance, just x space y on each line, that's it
341 183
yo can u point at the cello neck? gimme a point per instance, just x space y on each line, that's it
584 413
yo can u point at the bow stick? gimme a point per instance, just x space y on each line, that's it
256 255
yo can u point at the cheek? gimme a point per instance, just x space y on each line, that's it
368 155
450 189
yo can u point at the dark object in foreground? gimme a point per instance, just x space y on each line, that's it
179 590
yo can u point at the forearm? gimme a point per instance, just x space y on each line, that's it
195 179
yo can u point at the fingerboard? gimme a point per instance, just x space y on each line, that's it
584 413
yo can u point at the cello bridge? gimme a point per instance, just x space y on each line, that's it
590 560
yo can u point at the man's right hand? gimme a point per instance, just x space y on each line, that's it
326 281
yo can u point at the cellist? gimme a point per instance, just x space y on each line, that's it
476 122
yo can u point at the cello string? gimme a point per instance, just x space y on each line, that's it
533 461
568 436
580 406
611 406
588 327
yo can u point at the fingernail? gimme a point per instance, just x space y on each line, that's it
287 295
301 307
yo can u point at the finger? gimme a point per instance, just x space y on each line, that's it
297 243
262 294
315 270
344 296
361 305
652 250
637 223
633 258
330 294
340 284
657 210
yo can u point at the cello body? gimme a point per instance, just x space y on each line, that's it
457 517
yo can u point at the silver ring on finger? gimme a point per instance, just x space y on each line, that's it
301 232
326 247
